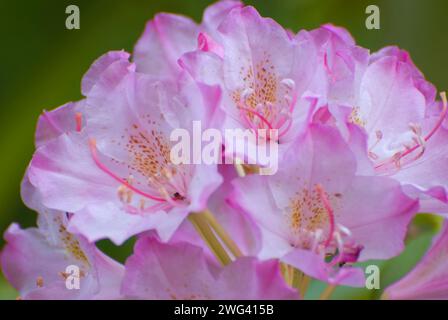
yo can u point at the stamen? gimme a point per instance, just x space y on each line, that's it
416 129
255 113
288 126
330 213
340 245
289 83
156 207
422 143
316 238
287 117
93 151
442 116
373 155
396 158
294 101
178 186
379 136
266 115
247 120
344 230
162 190
167 196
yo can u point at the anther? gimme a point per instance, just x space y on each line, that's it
289 83
344 230
421 141
373 155
379 134
415 128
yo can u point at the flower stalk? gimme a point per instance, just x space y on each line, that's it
206 233
222 234
326 294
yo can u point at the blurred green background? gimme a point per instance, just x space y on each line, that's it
42 64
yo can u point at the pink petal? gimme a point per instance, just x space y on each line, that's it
314 266
52 124
377 212
428 280
389 102
164 40
111 221
99 67
153 273
217 12
52 252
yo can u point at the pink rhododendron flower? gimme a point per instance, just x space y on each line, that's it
429 279
182 271
115 174
265 75
396 107
361 143
316 205
35 262
388 97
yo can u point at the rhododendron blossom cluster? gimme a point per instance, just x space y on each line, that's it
360 138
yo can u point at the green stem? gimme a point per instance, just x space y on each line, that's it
209 237
222 234
327 292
